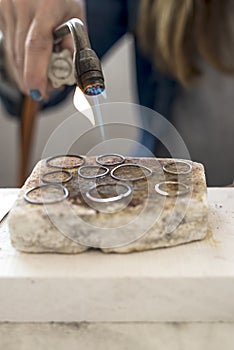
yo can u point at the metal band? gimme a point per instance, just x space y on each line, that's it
69 177
122 159
158 188
109 199
49 160
177 163
130 165
34 201
97 167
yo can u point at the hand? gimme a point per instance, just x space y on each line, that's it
27 27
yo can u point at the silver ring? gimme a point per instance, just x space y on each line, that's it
133 178
34 201
63 166
165 167
109 199
122 159
43 177
98 167
185 190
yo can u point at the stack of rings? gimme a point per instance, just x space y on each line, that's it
185 168
133 178
112 199
185 188
99 161
63 166
94 167
50 201
167 169
56 172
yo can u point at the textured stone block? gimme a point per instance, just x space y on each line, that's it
144 220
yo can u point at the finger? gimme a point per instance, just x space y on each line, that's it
23 21
9 36
8 15
2 23
1 15
38 48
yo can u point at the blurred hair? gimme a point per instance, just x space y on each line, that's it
176 32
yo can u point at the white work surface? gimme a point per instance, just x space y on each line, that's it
189 283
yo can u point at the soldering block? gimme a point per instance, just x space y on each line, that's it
144 220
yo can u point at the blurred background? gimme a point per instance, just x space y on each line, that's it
203 114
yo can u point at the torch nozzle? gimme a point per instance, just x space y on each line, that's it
87 66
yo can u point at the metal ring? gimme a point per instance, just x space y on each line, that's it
185 190
34 201
109 199
110 155
177 172
43 177
93 167
134 178
48 161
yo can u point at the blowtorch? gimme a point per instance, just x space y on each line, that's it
85 67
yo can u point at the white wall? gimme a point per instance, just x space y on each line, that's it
118 67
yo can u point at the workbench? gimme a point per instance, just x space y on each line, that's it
177 298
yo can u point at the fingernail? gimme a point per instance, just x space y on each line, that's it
35 94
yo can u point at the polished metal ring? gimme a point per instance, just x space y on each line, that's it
133 178
51 201
63 166
97 167
109 199
158 188
121 161
166 167
69 177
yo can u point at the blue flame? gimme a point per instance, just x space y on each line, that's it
94 90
